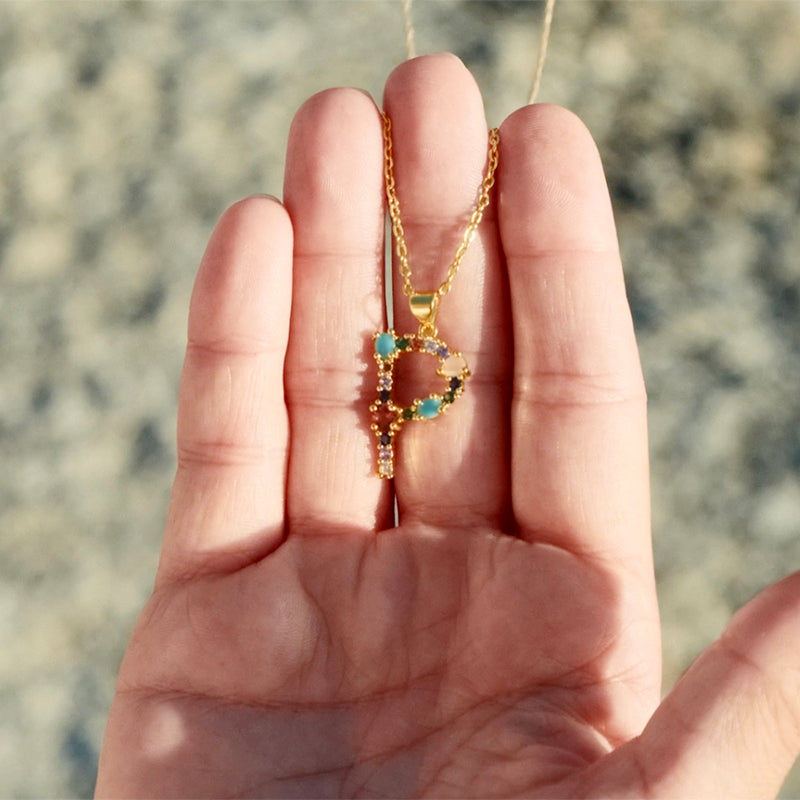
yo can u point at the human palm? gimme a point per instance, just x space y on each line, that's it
419 662
502 639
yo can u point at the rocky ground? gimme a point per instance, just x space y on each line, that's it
128 127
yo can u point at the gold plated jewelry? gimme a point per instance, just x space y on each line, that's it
388 417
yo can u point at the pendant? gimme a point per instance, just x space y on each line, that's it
387 416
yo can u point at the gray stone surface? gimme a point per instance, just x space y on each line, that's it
126 128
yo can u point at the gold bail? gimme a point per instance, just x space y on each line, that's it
424 306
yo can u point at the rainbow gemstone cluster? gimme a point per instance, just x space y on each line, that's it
387 417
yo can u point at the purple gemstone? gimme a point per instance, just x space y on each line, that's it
385 439
385 396
442 352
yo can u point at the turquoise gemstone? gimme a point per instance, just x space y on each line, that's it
429 407
385 345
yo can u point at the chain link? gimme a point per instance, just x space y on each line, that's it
397 224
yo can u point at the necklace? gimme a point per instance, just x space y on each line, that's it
387 416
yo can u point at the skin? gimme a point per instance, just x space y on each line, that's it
502 639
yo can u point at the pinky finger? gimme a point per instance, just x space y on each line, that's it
227 506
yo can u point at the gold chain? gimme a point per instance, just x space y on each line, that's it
397 223
387 416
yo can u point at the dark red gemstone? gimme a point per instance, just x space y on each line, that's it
383 417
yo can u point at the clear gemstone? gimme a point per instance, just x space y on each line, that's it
453 366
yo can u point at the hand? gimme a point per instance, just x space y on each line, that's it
503 638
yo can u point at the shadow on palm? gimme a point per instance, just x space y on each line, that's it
414 662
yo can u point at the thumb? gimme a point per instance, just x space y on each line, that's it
731 726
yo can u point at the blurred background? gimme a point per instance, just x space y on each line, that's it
126 128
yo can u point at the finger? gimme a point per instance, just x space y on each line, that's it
731 726
334 194
451 471
578 417
579 440
228 497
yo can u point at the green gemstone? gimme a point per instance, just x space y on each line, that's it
403 343
448 397
408 413
429 407
385 345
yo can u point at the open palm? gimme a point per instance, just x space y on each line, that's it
501 640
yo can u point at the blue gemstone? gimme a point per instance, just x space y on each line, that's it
429 407
385 345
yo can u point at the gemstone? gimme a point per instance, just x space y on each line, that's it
383 417
449 397
385 469
384 345
385 439
408 413
442 352
403 343
429 407
385 396
455 383
385 453
430 346
385 381
453 366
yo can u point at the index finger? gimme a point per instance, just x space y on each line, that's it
579 471
579 427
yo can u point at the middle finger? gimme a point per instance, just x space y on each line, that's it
451 470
